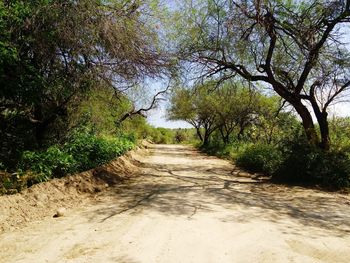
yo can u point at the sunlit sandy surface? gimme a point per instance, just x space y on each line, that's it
189 207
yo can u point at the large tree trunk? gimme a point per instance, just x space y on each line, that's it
241 130
206 137
322 119
224 135
200 137
307 121
324 130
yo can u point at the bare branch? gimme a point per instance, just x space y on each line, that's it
141 112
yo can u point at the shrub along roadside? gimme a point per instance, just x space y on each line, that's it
260 158
82 151
308 165
292 161
90 151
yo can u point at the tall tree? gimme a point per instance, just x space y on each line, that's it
227 109
236 108
52 52
292 46
197 107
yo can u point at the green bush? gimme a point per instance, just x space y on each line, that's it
53 162
235 148
213 147
91 151
259 158
230 151
81 152
292 161
162 135
333 170
307 164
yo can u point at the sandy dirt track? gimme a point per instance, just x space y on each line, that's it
189 207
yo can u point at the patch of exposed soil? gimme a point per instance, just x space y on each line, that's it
43 200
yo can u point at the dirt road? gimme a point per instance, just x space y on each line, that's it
188 207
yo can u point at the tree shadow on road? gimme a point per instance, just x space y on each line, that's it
187 191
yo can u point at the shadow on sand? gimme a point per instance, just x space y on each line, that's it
190 189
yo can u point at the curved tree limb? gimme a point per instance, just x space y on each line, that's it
156 98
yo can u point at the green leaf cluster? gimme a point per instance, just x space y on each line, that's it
83 151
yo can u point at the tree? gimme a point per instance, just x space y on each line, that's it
53 52
272 121
236 108
209 108
292 46
197 108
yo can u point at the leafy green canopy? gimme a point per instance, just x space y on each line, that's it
49 50
228 110
53 52
292 46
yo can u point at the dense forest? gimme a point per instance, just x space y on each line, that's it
255 79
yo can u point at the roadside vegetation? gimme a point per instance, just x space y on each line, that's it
260 135
269 72
255 79
66 71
